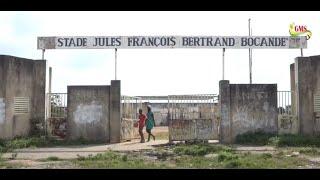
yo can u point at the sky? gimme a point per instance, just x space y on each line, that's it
147 72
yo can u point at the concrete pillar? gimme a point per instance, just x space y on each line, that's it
224 101
304 95
293 89
115 116
307 70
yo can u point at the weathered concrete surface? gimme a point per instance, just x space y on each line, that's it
20 77
88 113
288 124
225 120
115 108
247 108
2 110
307 70
198 129
293 89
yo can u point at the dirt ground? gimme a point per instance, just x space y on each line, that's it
72 152
34 157
59 157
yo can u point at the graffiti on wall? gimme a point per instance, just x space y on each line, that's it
2 110
58 127
288 124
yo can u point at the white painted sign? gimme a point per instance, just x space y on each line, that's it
88 113
167 42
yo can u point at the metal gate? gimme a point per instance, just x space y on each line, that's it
56 115
193 117
129 115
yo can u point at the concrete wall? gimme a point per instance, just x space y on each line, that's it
247 108
88 113
20 77
307 83
94 113
199 129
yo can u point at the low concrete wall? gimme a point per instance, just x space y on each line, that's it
307 84
199 129
94 113
88 113
20 77
247 108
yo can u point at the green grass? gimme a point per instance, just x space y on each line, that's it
310 151
162 135
22 142
200 149
4 164
53 158
115 160
260 138
233 160
193 156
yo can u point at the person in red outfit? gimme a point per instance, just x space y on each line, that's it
141 123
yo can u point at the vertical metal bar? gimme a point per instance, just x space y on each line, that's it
50 78
115 64
168 108
249 52
43 50
285 101
189 107
136 108
46 105
282 101
278 101
301 51
130 108
223 51
290 94
288 103
174 107
64 105
289 106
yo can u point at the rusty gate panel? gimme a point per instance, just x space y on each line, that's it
129 115
193 117
56 115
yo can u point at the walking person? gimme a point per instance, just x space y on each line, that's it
141 123
150 123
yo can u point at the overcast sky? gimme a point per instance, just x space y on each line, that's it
158 71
